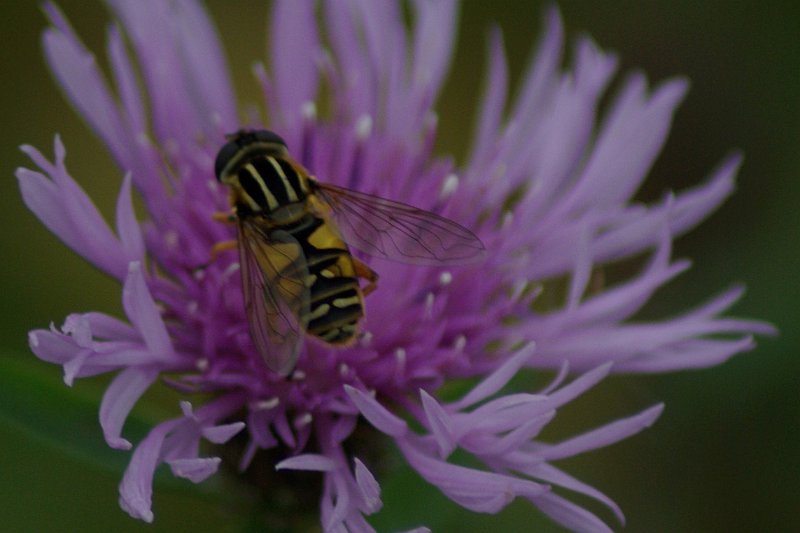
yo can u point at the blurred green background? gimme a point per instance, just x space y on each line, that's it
723 457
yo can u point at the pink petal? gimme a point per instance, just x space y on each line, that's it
478 491
439 423
195 469
496 380
307 461
128 229
222 434
569 515
143 313
370 490
603 436
295 52
376 414
118 400
136 488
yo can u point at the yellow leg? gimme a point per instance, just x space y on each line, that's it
217 249
222 246
228 217
225 217
365 272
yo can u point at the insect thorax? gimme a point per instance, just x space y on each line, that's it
269 185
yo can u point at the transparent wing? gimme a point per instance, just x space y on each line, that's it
398 231
275 295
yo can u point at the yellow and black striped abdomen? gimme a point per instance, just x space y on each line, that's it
335 300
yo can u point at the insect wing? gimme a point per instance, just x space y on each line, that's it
275 295
398 231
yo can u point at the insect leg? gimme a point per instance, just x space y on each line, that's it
228 217
217 249
365 272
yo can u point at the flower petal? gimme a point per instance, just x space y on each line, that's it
569 515
118 400
307 461
479 491
136 488
143 313
196 469
222 434
77 72
370 490
66 210
295 53
376 414
497 379
603 436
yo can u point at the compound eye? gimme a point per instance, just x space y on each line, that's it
268 137
224 156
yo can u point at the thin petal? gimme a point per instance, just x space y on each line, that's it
136 488
439 423
66 210
152 27
601 437
143 313
118 400
295 52
497 380
77 72
222 434
569 515
376 414
205 67
307 461
130 233
196 469
492 103
478 491
370 490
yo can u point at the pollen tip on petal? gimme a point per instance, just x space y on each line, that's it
460 343
137 508
119 443
363 126
449 186
33 339
303 420
366 338
653 413
186 408
266 405
309 110
445 278
59 149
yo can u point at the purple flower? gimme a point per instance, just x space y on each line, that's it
548 187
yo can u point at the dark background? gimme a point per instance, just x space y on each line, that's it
723 457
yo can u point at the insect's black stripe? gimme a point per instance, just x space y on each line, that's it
323 288
271 179
292 177
252 187
303 228
340 309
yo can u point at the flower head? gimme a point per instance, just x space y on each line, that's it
548 187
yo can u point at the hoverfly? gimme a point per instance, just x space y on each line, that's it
298 276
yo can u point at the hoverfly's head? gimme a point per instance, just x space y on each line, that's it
242 145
